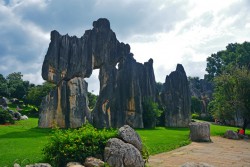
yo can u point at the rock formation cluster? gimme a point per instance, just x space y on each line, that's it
124 83
70 59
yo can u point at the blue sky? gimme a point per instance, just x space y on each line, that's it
169 31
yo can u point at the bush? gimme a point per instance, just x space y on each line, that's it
5 117
151 113
195 116
76 145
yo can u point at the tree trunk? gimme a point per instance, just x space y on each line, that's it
246 122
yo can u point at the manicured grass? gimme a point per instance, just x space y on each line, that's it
218 130
163 139
22 142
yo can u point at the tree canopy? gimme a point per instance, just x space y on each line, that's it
230 71
235 55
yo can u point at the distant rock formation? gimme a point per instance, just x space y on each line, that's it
176 99
70 59
203 90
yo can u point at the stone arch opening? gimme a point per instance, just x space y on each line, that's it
93 89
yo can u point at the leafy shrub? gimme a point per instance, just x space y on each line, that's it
151 113
76 145
195 116
207 117
204 117
5 117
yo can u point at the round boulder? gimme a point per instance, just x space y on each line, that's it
117 154
129 135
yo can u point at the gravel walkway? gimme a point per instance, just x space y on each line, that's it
220 152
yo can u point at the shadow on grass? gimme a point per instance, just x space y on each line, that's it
30 133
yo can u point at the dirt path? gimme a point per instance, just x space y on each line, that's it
220 153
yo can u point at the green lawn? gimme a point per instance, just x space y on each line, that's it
163 139
23 141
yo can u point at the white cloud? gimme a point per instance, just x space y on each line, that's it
170 32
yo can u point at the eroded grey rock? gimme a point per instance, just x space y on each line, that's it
129 135
39 165
176 99
93 162
74 164
67 106
117 154
200 131
124 83
231 135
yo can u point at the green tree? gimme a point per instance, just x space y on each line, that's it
151 113
232 94
235 55
92 100
159 86
36 93
196 105
195 81
16 86
3 86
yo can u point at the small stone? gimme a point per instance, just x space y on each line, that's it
39 165
16 165
74 164
93 162
231 135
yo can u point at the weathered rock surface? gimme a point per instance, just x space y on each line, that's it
93 162
231 135
120 102
67 106
117 154
122 90
74 164
176 99
200 131
129 135
203 90
39 165
3 102
17 165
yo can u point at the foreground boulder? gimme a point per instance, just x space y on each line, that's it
117 154
231 135
200 131
128 134
74 164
